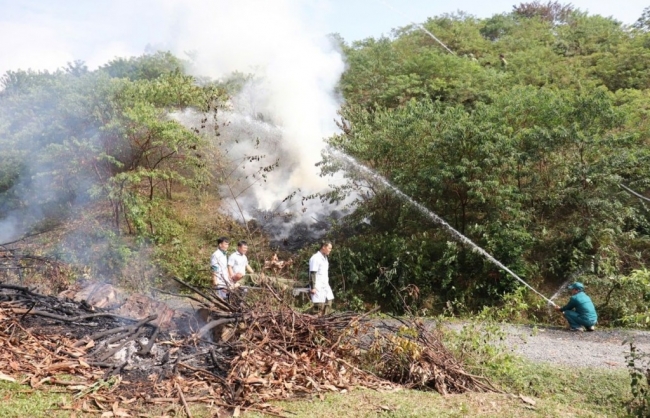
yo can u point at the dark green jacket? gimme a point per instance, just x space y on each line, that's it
583 306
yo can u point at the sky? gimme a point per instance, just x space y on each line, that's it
46 34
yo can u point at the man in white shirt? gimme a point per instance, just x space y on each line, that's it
321 292
238 262
219 265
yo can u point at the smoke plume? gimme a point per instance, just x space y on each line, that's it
285 110
282 114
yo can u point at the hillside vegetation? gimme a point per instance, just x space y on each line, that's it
522 138
98 171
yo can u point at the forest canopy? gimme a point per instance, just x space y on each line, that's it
521 138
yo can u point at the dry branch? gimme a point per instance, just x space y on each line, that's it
274 352
185 405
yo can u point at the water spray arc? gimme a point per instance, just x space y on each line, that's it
438 220
632 192
419 26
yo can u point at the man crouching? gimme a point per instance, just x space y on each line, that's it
580 311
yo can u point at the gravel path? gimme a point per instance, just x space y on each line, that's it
602 348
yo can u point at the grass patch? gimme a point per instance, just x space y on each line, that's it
593 392
558 392
576 391
21 401
587 385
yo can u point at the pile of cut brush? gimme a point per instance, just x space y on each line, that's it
240 356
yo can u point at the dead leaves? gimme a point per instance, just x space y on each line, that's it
115 411
272 354
101 406
285 355
36 357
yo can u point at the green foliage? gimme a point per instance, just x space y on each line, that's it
11 171
643 22
105 138
515 307
145 67
553 12
498 173
179 259
519 141
107 252
638 366
109 142
627 299
477 345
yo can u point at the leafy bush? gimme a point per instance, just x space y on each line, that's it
626 299
477 346
638 366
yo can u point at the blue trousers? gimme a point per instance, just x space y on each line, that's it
575 320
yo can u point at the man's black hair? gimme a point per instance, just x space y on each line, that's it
223 239
240 243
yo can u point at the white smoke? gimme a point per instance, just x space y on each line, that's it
295 69
9 228
290 103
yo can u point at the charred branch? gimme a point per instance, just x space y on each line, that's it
264 350
215 300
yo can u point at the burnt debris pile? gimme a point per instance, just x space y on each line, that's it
232 354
